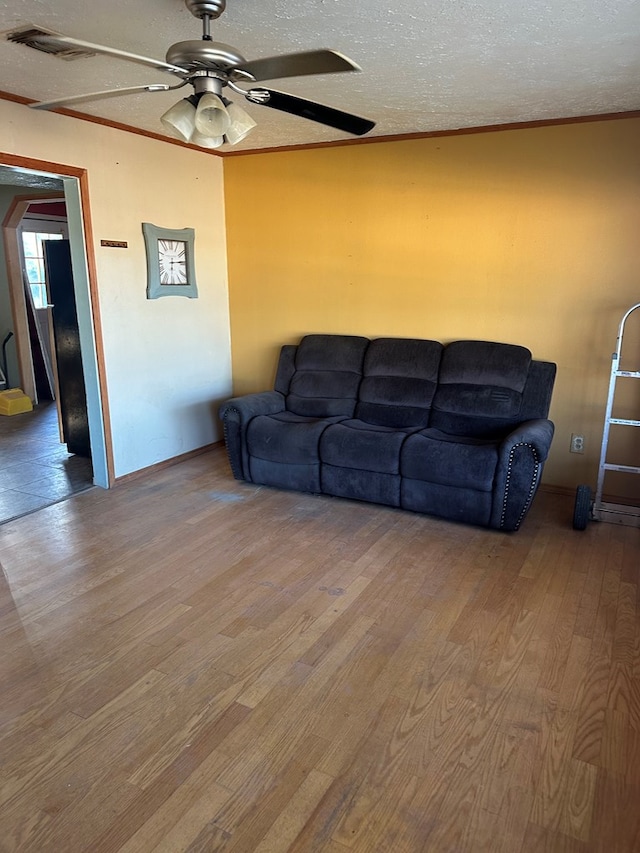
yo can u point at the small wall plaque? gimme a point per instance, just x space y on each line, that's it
115 244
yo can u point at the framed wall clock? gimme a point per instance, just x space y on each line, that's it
170 261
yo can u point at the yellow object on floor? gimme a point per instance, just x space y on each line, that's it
14 402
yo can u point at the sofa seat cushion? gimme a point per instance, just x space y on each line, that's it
456 461
286 437
363 446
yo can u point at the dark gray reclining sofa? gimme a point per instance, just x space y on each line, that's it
458 431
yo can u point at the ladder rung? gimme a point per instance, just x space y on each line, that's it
624 421
634 374
631 469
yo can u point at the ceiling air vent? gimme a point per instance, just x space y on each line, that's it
38 39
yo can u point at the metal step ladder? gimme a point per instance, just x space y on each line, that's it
600 510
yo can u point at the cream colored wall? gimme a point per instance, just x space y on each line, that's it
529 236
168 360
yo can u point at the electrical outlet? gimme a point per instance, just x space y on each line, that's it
577 443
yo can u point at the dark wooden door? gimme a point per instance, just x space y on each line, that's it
66 334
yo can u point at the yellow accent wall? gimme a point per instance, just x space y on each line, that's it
527 236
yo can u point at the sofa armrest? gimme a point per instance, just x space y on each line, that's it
236 414
249 405
536 433
521 457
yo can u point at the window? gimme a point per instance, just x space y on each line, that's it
34 263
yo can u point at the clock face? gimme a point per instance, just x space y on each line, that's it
172 257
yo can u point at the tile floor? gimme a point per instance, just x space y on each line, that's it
35 468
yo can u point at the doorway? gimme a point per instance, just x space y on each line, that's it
44 220
70 183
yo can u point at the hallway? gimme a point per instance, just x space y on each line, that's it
35 468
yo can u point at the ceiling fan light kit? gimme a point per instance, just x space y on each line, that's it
241 124
212 118
207 121
206 117
179 120
206 141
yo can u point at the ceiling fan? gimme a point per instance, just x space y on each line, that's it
206 118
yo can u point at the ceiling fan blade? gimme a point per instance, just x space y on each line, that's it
309 109
72 48
298 64
107 93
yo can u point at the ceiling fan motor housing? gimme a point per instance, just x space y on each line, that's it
193 55
202 8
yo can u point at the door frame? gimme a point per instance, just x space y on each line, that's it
76 193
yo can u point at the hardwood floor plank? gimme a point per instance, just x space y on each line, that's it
206 724
571 689
540 840
296 696
588 607
562 633
180 816
292 819
151 801
107 730
487 790
79 810
579 801
252 809
593 706
548 808
616 813
614 740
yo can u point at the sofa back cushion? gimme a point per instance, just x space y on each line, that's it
480 389
328 370
399 381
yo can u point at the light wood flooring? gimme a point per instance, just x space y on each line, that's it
190 663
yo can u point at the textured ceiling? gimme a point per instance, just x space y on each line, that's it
428 65
21 178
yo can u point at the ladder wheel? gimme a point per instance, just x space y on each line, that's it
582 508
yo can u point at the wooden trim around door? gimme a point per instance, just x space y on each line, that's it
65 171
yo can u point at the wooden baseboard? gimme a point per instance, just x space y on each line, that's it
167 463
557 490
571 493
